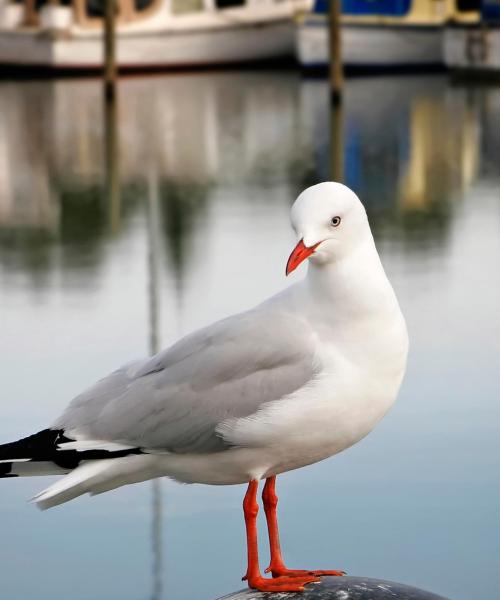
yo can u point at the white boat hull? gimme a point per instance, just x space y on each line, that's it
371 46
472 48
151 49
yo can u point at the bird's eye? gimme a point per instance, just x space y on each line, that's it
336 221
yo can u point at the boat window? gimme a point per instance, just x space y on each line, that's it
143 4
89 13
392 8
490 11
95 8
468 5
229 3
180 7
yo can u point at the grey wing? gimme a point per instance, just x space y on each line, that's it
175 400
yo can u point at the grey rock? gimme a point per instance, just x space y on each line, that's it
342 588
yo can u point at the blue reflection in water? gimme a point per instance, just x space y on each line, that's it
417 500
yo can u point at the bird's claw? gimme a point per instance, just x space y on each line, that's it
284 572
281 584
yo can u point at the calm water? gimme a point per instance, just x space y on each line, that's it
118 232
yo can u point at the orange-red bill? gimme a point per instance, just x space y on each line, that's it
299 254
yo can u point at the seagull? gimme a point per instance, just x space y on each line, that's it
300 377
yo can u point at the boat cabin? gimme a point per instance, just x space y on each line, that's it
90 13
410 11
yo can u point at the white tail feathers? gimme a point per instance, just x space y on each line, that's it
74 484
97 476
28 468
82 445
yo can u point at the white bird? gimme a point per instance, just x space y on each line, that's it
299 378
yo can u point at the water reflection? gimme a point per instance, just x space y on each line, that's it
113 216
197 131
154 347
409 154
112 155
183 204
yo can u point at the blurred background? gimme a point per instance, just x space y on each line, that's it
126 224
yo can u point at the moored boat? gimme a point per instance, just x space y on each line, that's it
475 47
380 34
67 34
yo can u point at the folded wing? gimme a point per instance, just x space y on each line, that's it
174 401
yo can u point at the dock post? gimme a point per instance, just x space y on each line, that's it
335 51
109 49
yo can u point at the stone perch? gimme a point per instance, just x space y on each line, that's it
342 588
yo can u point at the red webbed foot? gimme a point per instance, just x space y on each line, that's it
280 584
281 571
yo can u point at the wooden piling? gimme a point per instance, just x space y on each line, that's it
335 49
109 49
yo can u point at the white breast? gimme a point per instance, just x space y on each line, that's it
353 390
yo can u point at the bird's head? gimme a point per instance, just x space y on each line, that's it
329 221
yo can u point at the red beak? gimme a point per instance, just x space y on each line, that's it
299 253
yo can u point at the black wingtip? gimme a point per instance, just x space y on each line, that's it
41 446
44 446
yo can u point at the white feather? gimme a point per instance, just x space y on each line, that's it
82 445
97 476
36 468
71 486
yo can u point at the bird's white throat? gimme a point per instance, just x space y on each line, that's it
354 285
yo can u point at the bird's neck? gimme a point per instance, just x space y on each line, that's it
354 285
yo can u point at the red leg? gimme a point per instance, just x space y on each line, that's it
277 566
254 577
